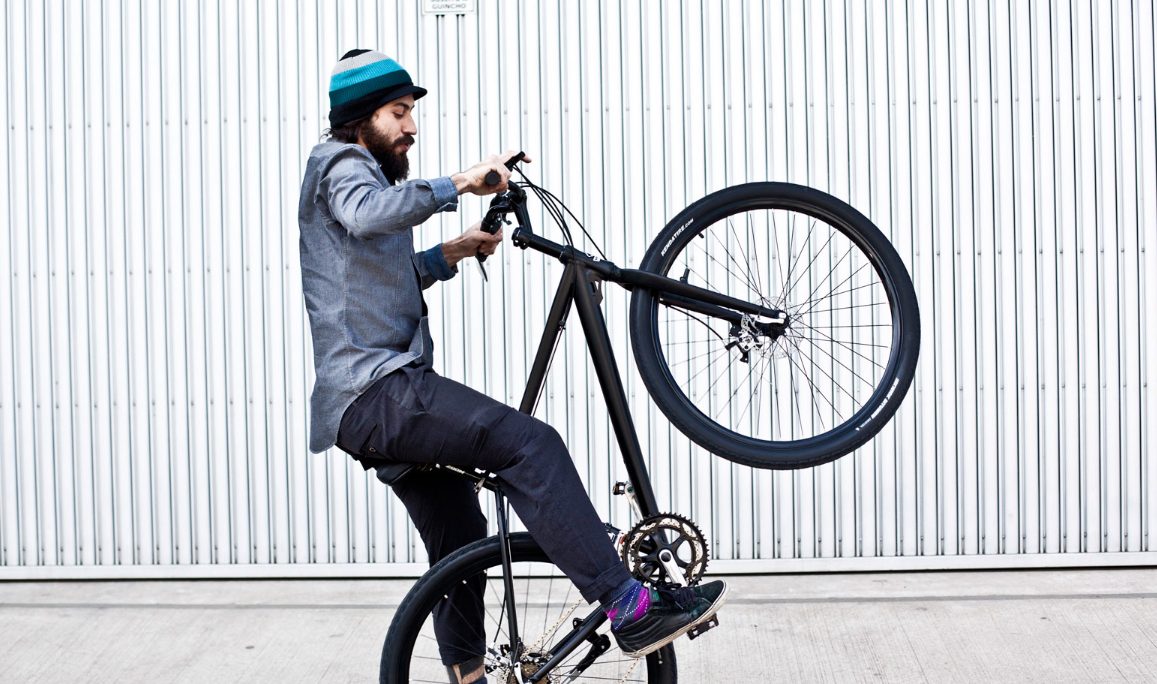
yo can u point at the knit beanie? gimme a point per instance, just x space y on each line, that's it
363 81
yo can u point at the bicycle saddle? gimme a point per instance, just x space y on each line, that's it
394 472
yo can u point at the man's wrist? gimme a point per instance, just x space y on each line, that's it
454 251
461 182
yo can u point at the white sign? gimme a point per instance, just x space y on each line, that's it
448 6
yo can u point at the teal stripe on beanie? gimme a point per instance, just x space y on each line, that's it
363 88
349 77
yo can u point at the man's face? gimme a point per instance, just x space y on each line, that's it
389 134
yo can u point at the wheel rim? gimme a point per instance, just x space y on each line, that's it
836 362
547 602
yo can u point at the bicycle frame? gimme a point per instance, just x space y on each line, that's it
579 287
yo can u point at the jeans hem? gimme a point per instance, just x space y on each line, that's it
609 579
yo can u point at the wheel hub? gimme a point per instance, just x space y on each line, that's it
759 334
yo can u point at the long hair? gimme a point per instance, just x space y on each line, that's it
346 133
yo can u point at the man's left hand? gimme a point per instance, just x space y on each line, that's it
473 241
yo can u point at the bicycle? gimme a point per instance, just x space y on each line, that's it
847 325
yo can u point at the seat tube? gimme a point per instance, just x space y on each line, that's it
607 371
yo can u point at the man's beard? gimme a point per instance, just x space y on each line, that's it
395 165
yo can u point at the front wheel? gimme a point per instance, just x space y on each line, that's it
778 395
547 606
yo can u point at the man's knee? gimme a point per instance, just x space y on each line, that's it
541 442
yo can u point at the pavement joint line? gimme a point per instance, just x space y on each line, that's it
539 604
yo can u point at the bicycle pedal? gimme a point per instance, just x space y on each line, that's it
699 629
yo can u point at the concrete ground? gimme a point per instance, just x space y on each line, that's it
1002 626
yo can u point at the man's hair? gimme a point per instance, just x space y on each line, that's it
346 133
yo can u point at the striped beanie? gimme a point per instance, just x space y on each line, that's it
363 81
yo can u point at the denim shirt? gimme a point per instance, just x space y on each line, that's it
361 278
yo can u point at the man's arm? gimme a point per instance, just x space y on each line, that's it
368 208
432 266
441 261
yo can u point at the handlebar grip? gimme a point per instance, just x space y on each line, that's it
493 178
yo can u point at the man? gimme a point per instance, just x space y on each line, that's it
378 398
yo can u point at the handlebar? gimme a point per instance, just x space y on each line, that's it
500 205
493 178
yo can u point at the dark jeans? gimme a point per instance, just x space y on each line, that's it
415 415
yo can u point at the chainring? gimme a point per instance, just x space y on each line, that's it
643 543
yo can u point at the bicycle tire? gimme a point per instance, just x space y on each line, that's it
770 444
414 612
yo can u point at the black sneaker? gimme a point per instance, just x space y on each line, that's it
673 611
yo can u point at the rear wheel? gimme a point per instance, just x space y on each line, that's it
547 605
778 396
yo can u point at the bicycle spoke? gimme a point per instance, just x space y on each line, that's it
847 345
755 250
755 392
791 266
726 251
814 389
792 286
840 362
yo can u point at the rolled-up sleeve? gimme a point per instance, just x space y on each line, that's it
445 193
432 266
366 207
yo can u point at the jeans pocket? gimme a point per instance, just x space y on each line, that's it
355 432
369 447
406 390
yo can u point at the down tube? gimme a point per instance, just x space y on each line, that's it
603 357
555 324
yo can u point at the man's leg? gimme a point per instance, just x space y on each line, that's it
445 510
416 415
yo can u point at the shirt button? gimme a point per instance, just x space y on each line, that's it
373 450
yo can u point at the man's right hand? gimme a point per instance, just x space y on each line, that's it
473 179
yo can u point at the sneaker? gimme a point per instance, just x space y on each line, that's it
672 612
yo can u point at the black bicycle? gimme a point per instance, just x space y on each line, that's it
773 324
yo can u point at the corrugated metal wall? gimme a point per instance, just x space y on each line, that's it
155 359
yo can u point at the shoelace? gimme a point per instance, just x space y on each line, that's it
683 597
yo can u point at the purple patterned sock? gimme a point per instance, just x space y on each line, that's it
629 606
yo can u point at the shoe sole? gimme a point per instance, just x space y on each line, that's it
683 630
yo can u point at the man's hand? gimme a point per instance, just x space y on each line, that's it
473 241
473 180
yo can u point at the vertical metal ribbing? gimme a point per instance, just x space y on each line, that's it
47 510
1119 517
1074 534
995 378
1098 332
188 534
264 514
938 318
9 487
916 263
201 507
1065 174
165 267
284 399
67 542
1120 389
1039 278
1058 385
1142 310
1022 361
